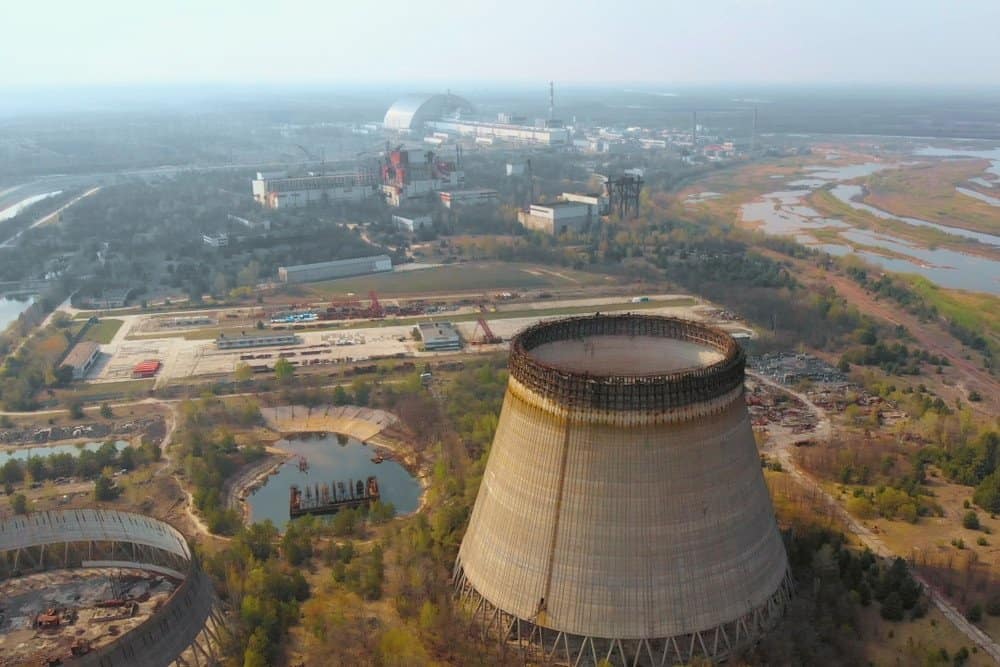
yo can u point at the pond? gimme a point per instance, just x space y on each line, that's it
331 458
24 453
10 309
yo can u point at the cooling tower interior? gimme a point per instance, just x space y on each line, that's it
623 513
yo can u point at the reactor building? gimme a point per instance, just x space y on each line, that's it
453 116
623 514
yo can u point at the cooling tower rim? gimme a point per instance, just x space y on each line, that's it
638 391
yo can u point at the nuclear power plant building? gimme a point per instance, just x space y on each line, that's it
623 514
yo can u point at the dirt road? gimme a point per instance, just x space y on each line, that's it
930 336
782 448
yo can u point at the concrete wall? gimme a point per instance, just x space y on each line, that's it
175 628
644 525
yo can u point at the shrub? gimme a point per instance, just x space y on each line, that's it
892 607
970 520
975 613
993 605
19 503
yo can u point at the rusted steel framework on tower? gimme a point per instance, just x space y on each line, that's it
623 515
627 392
547 646
623 194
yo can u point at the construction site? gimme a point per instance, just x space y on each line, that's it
107 588
65 613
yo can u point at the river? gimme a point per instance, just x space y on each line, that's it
785 213
16 209
11 309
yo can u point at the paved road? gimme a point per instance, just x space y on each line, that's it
783 448
46 218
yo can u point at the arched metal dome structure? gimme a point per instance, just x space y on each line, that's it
623 514
412 111
182 632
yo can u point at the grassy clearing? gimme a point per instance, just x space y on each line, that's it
103 332
479 276
882 642
975 311
928 192
89 390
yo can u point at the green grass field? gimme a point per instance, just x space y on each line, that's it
103 332
973 310
451 278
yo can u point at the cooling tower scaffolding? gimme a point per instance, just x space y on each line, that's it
623 514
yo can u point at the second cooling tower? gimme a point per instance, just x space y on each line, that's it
623 514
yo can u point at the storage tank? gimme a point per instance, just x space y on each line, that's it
623 513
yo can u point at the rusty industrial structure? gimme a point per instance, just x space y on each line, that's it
623 514
183 631
623 195
331 498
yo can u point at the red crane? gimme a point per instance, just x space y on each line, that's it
375 309
489 338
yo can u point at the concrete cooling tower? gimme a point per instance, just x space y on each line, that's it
623 514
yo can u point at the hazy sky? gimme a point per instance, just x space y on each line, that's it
331 41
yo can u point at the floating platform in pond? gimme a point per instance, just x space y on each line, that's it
331 498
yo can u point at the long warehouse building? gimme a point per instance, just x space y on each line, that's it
341 268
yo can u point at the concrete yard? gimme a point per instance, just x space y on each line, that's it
185 350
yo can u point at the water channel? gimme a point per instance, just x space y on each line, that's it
785 213
10 309
331 458
24 453
20 206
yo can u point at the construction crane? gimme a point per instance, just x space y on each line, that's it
321 159
489 338
375 309
531 186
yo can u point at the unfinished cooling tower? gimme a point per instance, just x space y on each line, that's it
623 514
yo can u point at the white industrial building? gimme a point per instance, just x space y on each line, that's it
470 197
341 268
557 218
274 191
413 111
598 203
82 358
215 240
224 342
412 223
521 134
252 225
447 115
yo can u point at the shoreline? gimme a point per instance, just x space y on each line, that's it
7 448
256 475
250 478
